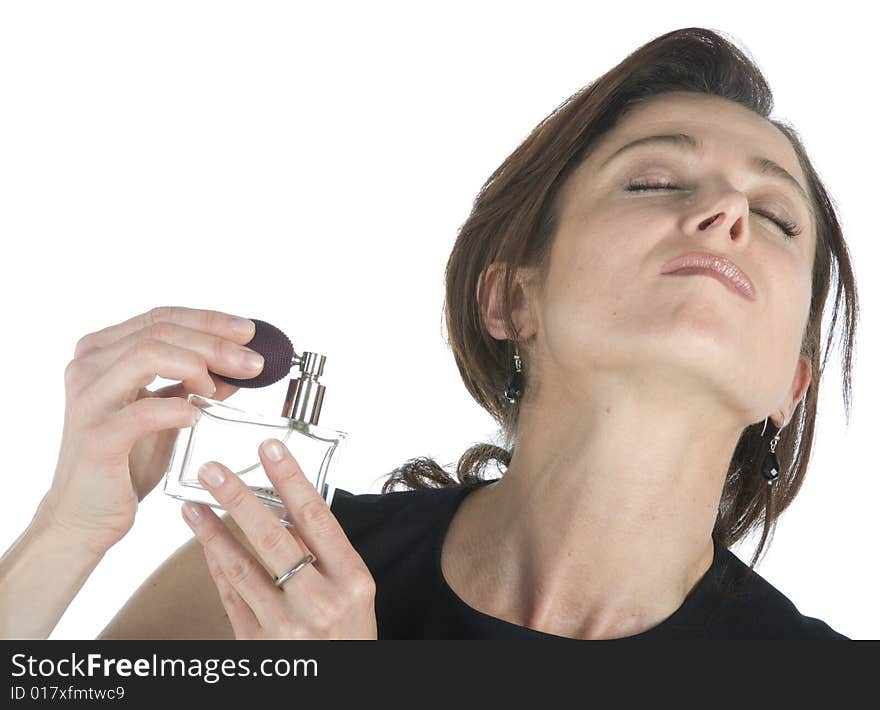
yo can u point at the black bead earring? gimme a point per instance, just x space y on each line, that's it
770 464
514 389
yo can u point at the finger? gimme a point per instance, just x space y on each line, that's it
208 321
137 367
270 538
175 353
243 539
246 575
119 432
241 616
178 389
309 513
222 355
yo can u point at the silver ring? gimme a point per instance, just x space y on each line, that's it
293 570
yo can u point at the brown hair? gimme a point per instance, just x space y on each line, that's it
513 222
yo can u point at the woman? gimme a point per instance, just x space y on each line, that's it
645 410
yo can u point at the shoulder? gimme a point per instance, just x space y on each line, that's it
359 509
399 517
752 607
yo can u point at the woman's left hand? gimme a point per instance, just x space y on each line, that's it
331 598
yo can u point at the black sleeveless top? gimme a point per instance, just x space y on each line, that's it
399 536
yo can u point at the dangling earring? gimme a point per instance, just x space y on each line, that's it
770 464
514 389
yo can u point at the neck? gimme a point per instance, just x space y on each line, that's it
602 523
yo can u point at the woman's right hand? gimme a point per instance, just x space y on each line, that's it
118 435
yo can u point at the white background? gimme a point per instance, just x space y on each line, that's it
309 164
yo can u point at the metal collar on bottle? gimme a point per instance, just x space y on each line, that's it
304 393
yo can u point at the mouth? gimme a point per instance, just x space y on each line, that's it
714 266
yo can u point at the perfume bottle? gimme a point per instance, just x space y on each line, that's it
232 436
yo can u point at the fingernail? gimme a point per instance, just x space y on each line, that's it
252 360
242 326
191 512
211 474
273 450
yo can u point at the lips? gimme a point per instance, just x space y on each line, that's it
715 266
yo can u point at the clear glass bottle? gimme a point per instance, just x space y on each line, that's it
232 436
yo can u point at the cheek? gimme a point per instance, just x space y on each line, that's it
596 257
599 270
789 295
584 281
780 328
579 310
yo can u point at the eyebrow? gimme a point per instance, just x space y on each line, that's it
763 166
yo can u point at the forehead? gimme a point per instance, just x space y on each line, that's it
724 127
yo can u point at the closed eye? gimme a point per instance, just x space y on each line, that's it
789 228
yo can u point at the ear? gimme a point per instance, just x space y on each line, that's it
799 384
489 301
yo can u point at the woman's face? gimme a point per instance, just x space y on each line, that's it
605 305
